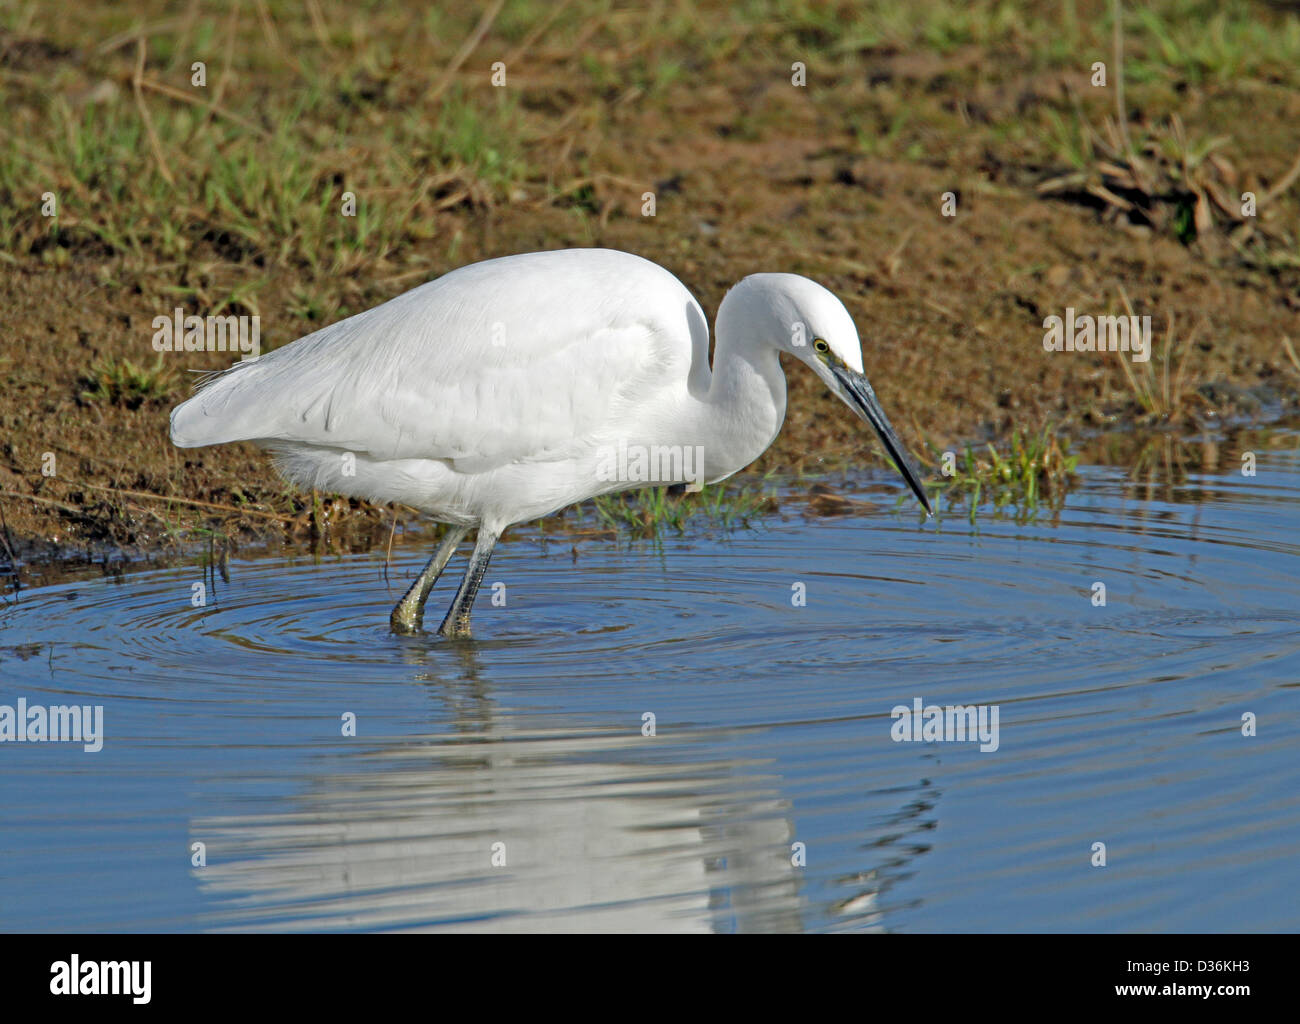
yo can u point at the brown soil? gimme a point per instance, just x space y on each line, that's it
950 310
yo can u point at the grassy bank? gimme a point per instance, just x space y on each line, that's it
232 196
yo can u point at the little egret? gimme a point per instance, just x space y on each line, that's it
497 393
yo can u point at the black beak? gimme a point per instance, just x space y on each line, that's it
863 401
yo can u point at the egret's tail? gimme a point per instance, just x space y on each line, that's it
217 414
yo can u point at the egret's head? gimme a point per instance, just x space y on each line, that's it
801 317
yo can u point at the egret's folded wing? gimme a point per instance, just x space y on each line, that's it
477 366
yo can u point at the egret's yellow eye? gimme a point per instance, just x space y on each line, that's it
820 346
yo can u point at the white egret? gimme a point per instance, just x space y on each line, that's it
495 394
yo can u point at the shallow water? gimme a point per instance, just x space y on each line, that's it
1119 725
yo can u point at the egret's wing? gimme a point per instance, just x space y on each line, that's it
501 361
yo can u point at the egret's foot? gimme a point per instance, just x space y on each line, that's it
404 618
456 625
409 613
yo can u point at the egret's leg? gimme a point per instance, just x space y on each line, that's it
456 624
406 616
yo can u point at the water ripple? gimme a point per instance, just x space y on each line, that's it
770 795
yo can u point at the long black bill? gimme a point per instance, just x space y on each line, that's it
864 402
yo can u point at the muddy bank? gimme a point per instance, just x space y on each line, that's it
849 179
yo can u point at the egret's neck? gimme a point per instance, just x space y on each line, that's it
746 401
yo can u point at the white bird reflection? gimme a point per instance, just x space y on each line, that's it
596 838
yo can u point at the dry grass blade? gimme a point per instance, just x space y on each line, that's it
187 501
80 513
1140 389
318 26
137 35
536 33
184 97
469 46
1284 182
138 90
1290 351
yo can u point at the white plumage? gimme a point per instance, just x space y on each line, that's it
490 396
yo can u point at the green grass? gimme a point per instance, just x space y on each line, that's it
121 382
1220 42
1035 471
270 197
258 178
651 512
229 198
